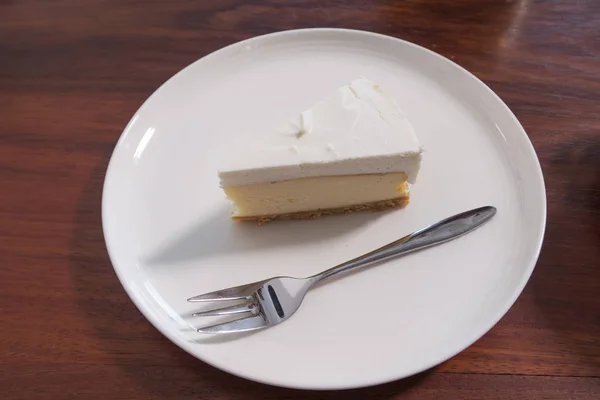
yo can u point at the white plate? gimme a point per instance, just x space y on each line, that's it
168 232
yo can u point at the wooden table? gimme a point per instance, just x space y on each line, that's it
72 72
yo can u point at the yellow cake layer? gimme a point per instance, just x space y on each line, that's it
312 194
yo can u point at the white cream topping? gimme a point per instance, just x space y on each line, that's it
357 130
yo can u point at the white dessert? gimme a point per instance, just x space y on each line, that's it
352 150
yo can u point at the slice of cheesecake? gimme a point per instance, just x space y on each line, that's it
354 150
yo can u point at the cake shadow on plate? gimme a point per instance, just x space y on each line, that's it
218 234
113 321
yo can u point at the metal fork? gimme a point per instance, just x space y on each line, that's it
272 301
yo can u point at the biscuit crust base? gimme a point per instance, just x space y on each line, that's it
300 215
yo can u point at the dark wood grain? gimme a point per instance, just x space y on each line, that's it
72 72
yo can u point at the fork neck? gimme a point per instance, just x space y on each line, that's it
355 263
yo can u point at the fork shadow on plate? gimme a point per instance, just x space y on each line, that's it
218 234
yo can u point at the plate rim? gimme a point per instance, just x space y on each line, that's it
517 291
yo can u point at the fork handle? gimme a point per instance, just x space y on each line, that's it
441 232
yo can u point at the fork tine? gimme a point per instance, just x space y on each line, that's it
236 309
234 293
238 325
